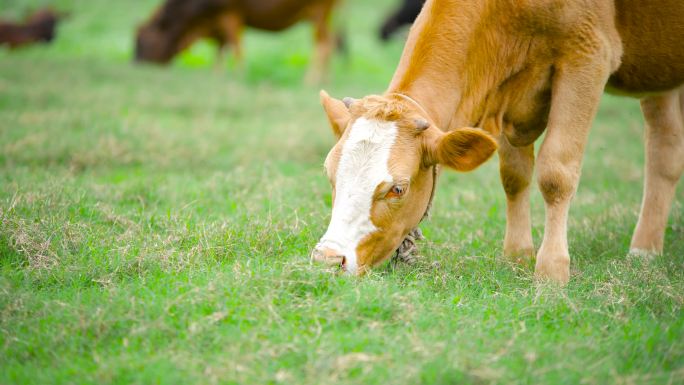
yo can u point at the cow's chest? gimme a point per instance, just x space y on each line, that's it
525 101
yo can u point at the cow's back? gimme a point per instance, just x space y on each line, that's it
276 15
652 33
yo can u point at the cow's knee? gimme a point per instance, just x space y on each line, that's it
516 165
556 181
514 180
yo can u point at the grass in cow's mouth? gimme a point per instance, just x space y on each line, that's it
155 227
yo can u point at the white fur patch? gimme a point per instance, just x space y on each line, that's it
362 167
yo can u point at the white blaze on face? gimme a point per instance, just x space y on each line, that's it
362 167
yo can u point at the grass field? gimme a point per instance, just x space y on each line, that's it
155 226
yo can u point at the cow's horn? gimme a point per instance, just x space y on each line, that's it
422 124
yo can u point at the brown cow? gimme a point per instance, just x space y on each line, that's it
38 27
179 23
514 69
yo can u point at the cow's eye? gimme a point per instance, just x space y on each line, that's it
396 191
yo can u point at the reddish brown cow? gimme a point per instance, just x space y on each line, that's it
179 23
515 69
38 27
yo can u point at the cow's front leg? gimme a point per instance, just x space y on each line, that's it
324 43
220 60
576 92
232 26
516 165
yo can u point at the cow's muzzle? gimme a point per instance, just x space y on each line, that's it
327 256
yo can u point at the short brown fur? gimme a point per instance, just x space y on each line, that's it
519 68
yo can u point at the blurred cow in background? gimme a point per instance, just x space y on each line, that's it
179 23
38 27
405 15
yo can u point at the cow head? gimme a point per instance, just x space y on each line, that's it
173 27
44 22
381 174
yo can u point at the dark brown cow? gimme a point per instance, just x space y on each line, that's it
179 23
405 15
38 27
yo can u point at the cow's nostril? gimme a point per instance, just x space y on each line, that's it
327 256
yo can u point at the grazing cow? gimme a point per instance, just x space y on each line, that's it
38 27
514 69
405 15
179 23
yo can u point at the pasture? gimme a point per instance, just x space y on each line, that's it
156 223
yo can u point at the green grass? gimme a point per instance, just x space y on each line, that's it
155 226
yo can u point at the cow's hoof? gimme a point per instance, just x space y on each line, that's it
520 256
646 255
553 268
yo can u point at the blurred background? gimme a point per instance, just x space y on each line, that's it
82 105
104 31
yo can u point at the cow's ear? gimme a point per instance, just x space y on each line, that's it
338 113
463 149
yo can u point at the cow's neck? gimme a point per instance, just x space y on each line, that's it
433 69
